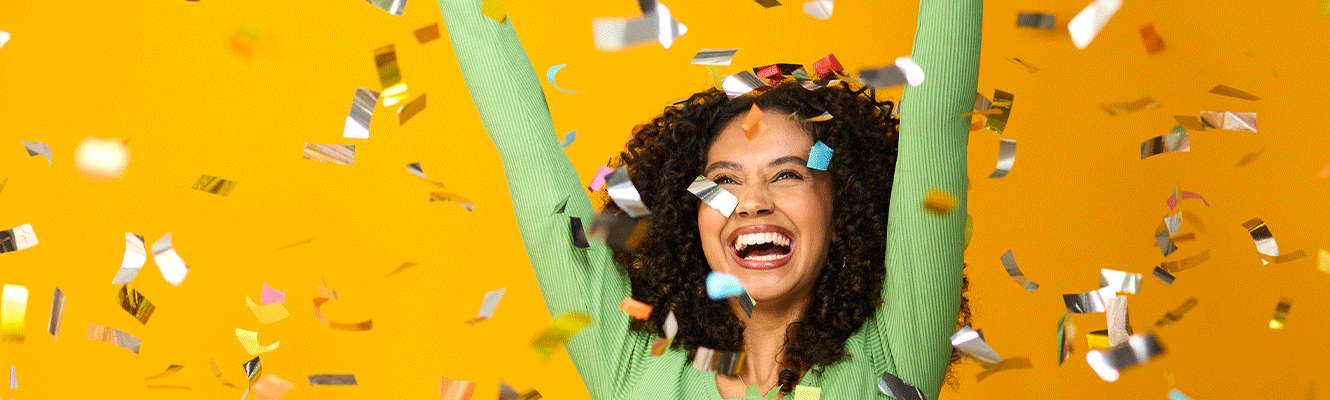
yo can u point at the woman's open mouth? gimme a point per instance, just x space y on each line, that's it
761 246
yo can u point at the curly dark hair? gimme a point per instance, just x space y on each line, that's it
668 269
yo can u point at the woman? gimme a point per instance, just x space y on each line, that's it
830 313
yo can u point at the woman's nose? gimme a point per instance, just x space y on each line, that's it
754 201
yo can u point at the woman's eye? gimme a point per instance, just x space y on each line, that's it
789 175
724 180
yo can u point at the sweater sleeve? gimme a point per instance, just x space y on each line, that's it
921 291
546 192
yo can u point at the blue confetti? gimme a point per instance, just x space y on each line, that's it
569 138
721 285
550 75
819 157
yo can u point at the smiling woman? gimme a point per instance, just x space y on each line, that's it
852 278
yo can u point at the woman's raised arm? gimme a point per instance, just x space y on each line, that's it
922 288
546 192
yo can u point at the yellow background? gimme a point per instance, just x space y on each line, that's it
164 74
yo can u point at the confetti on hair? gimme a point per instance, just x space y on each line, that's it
635 309
752 123
827 66
819 156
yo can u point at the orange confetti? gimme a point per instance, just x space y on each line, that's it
635 309
270 387
456 390
1153 43
753 125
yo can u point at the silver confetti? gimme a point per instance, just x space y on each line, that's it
1173 223
173 267
820 9
113 336
614 34
332 380
1036 20
18 238
57 313
1087 23
362 110
1228 120
905 71
1109 363
1006 158
624 194
393 7
742 83
1265 241
892 386
720 362
981 103
1088 302
490 303
414 169
1118 323
1165 243
332 153
714 57
971 342
1164 275
1173 142
135 256
671 326
714 195
35 148
1009 262
13 377
1120 281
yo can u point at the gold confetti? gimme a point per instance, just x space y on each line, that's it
1265 241
991 111
1097 340
390 78
1005 365
717 80
268 313
359 326
1143 103
410 109
344 154
114 336
250 340
1001 101
1186 263
57 314
802 392
427 33
768 3
170 370
134 303
495 10
217 373
13 309
1281 314
453 197
253 370
940 202
332 380
1299 254
1173 142
558 331
1324 265
1028 67
1175 315
1229 120
1229 91
752 124
215 185
1190 123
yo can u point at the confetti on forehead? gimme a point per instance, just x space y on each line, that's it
136 255
714 57
1087 23
1109 363
1006 158
1229 120
753 125
1170 143
1153 43
1036 20
819 156
362 111
713 195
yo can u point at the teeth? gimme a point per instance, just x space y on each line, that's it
749 239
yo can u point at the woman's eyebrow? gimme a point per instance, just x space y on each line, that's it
722 164
788 159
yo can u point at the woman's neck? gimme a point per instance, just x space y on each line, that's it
764 337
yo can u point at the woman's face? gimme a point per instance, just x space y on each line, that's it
776 240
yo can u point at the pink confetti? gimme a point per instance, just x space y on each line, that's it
271 295
1177 196
598 180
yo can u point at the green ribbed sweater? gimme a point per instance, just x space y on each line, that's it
907 336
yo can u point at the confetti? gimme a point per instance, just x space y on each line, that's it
1028 67
1190 123
722 286
355 327
4 38
268 313
624 194
113 336
268 295
495 10
1179 196
1281 314
1001 101
826 116
568 138
718 361
362 111
1174 394
1175 315
1229 120
2 184
819 156
618 230
1153 43
768 3
614 34
905 71
802 392
134 303
752 123
1164 275
1088 302
1006 158
549 75
742 83
13 309
135 256
746 302
1173 142
820 9
253 369
488 304
579 233
714 57
414 169
1119 324
332 380
406 112
507 392
635 309
982 103
1186 263
250 340
169 263
393 7
13 377
453 197
1324 265
38 148
456 390
1138 350
1009 262
18 238
939 202
1265 241
713 195
1087 23
318 302
598 179
102 159
558 331
1165 243
1097 340
390 77
1120 281
57 313
215 185
344 154
717 80
271 387
1229 91
827 66
217 373
971 343
1249 158
1005 365
306 241
892 386
1066 331
1286 257
1144 103
427 33
170 370
1044 21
